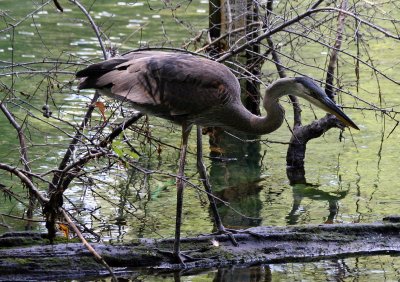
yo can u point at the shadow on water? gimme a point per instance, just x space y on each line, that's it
235 173
250 274
310 191
349 269
235 273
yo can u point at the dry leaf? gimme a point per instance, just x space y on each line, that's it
102 109
64 229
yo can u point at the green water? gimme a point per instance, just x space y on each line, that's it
353 179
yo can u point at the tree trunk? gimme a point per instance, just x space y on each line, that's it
236 18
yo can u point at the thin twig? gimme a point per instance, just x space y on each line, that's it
28 16
96 255
58 6
93 24
25 179
228 54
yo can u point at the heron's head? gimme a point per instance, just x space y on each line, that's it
308 89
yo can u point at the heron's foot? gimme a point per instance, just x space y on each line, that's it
182 257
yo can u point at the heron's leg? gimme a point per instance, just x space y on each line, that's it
177 254
204 178
180 185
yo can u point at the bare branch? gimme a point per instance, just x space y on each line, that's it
296 19
58 6
86 244
25 179
28 16
93 24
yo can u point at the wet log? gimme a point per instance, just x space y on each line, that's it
28 255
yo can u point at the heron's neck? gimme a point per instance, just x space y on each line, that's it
239 118
275 112
272 121
253 124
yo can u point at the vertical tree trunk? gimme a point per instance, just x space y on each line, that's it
236 18
252 97
215 26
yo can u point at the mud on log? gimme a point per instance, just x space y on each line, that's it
257 245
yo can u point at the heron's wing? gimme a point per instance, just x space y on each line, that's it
166 84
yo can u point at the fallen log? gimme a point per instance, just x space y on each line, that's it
25 255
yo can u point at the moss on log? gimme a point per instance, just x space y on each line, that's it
30 255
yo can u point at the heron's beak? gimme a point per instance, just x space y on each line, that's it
332 108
